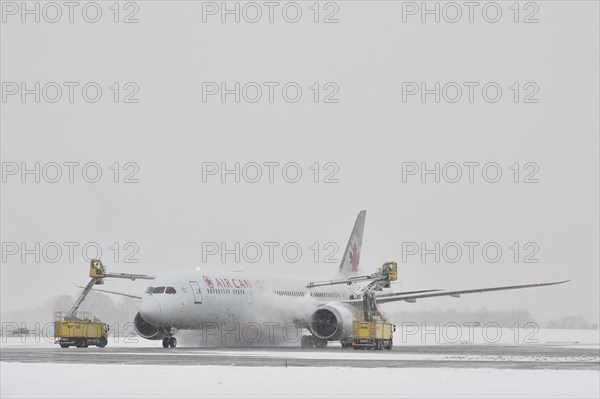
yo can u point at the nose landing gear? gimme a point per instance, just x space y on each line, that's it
169 342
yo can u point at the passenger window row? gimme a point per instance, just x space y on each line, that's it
289 293
219 291
226 291
327 294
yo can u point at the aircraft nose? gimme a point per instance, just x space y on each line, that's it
150 310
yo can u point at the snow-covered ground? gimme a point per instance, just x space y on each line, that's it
464 334
411 335
118 380
65 380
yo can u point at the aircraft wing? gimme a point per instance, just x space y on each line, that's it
409 297
405 293
114 293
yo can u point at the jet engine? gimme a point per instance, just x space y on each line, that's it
147 330
332 321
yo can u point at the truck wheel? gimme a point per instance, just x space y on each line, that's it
173 342
102 343
165 342
64 345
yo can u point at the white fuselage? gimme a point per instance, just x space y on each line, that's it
189 300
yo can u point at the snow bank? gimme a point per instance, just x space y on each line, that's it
65 380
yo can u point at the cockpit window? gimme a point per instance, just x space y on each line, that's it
170 290
158 290
149 290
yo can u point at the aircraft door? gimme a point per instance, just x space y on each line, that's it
196 291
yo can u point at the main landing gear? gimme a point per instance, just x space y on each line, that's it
169 342
310 341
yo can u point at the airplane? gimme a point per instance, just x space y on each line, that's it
201 300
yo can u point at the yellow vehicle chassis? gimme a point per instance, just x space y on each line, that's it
372 335
80 332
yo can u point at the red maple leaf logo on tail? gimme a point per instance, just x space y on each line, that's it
354 257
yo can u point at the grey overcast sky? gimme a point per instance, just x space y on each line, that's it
520 98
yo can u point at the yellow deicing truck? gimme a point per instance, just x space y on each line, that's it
75 328
371 329
374 331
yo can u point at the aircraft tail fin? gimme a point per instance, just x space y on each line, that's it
350 260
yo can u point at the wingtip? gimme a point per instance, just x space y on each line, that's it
555 282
